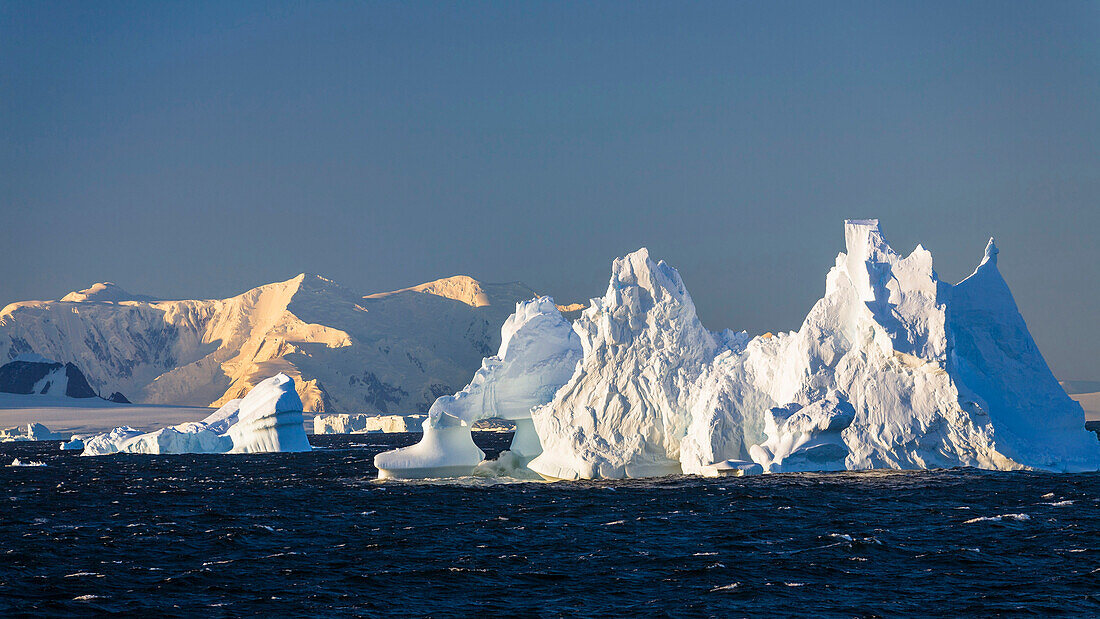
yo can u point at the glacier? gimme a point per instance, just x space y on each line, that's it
268 419
892 368
538 354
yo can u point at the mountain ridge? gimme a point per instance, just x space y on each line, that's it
396 350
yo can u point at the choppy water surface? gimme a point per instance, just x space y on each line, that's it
298 534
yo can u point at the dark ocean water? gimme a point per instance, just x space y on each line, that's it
314 534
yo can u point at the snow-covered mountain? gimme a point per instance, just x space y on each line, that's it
396 351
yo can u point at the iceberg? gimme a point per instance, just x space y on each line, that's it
623 412
892 368
268 419
31 432
75 443
731 468
538 353
18 462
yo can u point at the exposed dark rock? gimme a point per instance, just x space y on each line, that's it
378 393
22 376
117 398
78 386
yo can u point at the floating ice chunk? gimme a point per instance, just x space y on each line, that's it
181 439
39 432
109 442
18 462
731 468
74 444
446 450
270 419
356 424
1001 518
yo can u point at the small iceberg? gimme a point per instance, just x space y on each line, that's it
268 419
18 462
731 468
366 424
74 444
29 432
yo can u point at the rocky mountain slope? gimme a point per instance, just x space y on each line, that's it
34 375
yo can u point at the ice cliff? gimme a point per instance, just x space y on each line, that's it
892 368
538 353
356 424
267 419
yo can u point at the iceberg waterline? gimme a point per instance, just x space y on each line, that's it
892 368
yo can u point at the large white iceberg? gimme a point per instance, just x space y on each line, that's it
624 411
267 419
538 353
893 368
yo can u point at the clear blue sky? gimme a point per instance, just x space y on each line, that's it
198 149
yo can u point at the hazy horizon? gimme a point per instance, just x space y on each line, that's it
200 150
